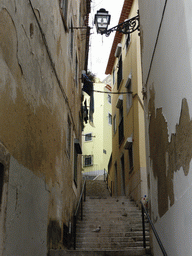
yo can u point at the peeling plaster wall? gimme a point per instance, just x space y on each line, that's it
168 113
37 94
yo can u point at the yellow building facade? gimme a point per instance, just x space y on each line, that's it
97 138
127 174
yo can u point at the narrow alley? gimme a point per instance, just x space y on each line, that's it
111 226
89 89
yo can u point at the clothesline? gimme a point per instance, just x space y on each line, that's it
113 92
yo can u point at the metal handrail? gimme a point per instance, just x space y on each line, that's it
80 204
144 211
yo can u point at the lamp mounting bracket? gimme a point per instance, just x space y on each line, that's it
126 27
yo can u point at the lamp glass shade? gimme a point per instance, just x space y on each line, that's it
102 20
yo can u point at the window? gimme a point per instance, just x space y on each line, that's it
88 160
120 72
109 98
129 93
127 43
64 7
109 119
71 40
75 167
77 150
76 72
68 136
113 76
121 125
114 124
130 152
88 137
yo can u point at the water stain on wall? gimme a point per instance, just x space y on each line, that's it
8 43
54 234
168 157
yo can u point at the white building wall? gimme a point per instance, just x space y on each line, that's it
169 81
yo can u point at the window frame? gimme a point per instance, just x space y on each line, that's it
87 136
69 136
121 125
109 98
127 41
129 97
114 124
76 71
110 119
75 166
64 12
71 40
120 72
90 157
130 154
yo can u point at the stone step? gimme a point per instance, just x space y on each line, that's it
107 229
128 252
114 237
136 234
103 211
112 219
112 210
121 225
113 244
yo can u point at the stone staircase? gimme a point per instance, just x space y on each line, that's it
120 223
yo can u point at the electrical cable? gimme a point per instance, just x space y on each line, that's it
154 49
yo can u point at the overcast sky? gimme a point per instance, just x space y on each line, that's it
100 46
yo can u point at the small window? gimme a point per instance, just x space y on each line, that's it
68 136
72 39
113 77
110 119
130 152
109 98
121 125
119 72
88 137
64 9
75 167
88 160
127 43
76 71
129 93
114 124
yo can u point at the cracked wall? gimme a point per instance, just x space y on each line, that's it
167 156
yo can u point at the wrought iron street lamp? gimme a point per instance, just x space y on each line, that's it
102 20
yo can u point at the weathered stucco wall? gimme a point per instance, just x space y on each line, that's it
37 95
167 79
